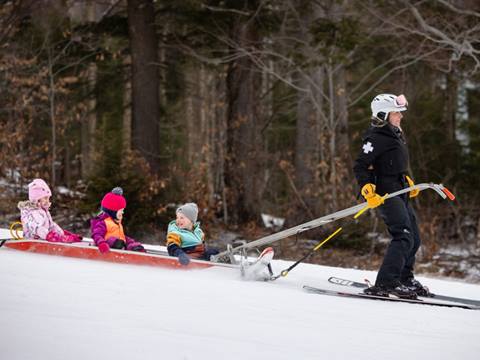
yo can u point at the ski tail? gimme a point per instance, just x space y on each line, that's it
345 282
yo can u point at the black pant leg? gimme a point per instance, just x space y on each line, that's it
397 218
407 272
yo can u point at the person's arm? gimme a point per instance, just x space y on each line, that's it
174 239
37 222
174 243
133 244
364 171
363 167
55 227
98 229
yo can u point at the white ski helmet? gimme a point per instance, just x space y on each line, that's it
383 104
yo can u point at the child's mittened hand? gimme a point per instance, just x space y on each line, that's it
183 258
138 248
71 237
135 246
52 236
103 248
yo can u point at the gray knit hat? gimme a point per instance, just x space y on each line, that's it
190 210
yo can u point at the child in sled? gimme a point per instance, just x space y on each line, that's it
185 238
107 230
36 220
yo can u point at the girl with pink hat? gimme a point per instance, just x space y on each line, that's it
107 230
36 219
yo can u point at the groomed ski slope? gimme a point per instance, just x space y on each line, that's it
63 308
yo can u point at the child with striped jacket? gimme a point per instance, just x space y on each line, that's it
185 238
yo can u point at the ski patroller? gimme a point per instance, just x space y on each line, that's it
360 285
316 290
438 188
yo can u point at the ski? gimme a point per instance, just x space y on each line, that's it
356 284
316 290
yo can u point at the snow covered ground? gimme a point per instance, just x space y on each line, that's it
63 308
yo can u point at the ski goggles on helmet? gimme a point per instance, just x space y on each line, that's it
401 101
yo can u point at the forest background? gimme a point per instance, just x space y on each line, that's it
246 107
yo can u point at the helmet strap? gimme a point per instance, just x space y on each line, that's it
378 122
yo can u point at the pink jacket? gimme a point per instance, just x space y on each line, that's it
37 222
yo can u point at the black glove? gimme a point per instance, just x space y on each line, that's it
208 253
138 248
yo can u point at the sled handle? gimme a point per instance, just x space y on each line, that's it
15 227
448 193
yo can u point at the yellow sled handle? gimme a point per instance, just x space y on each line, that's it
15 227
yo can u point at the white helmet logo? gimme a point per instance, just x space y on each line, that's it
368 147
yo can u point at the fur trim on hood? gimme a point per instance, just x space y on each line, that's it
23 205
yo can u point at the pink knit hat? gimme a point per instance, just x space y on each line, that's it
114 200
38 189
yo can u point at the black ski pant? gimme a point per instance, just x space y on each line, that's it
399 259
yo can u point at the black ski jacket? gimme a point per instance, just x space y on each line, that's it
383 159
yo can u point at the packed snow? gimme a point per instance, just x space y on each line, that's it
63 308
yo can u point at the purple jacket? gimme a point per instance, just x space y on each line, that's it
98 228
36 221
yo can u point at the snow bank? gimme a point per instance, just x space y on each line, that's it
63 308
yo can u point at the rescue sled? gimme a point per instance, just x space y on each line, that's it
86 250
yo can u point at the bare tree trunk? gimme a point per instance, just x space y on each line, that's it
449 109
307 145
191 109
145 80
127 113
51 98
322 161
342 115
332 136
220 143
345 161
207 116
310 169
244 143
206 130
67 167
162 59
89 124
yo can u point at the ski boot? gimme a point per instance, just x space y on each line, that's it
416 286
399 290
